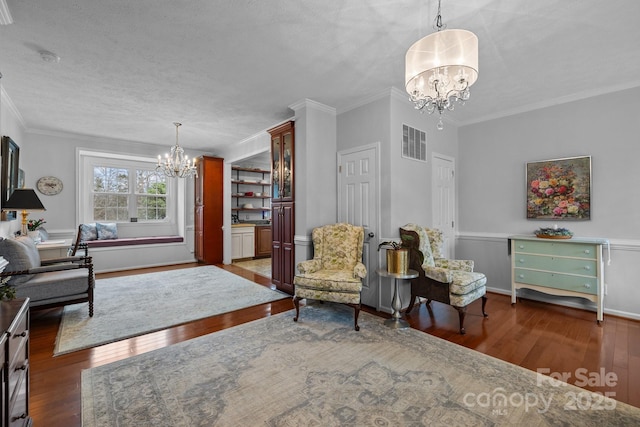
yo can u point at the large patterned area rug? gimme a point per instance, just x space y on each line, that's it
320 372
134 305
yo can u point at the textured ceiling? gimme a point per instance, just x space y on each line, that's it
230 69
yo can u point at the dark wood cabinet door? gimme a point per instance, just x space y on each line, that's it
282 163
209 210
288 248
263 241
283 248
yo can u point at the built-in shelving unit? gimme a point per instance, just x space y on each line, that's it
245 183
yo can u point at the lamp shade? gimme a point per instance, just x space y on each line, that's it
24 199
452 52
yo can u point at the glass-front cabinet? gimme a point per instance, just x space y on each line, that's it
282 163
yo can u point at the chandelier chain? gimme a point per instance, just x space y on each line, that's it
437 23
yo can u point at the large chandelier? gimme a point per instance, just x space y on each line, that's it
177 164
440 68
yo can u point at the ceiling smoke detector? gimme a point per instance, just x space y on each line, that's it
49 56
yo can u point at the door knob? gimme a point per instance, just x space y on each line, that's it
371 235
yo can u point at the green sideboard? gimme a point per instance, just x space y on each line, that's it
572 267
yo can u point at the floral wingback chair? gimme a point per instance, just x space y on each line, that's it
336 271
444 280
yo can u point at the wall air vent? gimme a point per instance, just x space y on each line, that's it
414 143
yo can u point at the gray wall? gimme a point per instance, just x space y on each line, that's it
491 183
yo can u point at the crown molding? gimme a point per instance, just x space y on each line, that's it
6 100
311 104
5 14
367 100
552 102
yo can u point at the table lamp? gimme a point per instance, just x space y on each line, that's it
24 199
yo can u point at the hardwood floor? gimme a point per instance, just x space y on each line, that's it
530 334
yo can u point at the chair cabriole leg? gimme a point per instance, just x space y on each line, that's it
296 302
462 311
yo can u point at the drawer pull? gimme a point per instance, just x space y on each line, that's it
521 246
520 276
587 285
521 261
587 267
587 251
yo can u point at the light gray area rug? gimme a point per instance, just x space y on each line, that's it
134 305
320 372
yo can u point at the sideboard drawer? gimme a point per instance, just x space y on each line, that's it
578 250
586 285
583 267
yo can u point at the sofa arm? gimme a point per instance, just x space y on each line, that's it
360 270
309 266
455 264
438 274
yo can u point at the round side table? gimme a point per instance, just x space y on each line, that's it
396 322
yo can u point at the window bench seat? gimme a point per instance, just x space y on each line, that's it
127 253
131 241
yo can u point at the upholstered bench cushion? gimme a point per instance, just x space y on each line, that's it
43 287
466 299
129 241
465 282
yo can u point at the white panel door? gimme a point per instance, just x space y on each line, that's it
358 205
443 200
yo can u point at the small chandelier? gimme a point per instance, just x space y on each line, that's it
177 164
440 68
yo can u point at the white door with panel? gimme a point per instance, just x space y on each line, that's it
358 204
443 200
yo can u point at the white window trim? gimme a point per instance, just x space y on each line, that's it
88 158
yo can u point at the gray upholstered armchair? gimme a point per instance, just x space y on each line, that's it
48 283
336 271
444 280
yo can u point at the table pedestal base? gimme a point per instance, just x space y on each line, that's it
396 323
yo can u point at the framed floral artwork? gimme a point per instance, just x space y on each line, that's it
559 189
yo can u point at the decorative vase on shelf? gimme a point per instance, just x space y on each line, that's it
35 235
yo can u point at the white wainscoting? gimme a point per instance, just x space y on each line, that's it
622 294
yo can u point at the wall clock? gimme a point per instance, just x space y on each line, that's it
49 185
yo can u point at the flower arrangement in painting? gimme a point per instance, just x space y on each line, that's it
557 191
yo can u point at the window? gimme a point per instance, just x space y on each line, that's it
151 195
124 188
117 197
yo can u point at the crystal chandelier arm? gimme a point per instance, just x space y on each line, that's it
177 164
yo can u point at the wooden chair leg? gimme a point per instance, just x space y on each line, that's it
461 313
484 303
296 302
356 307
413 301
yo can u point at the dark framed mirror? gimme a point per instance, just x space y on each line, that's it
10 153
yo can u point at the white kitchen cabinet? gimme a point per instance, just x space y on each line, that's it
242 242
